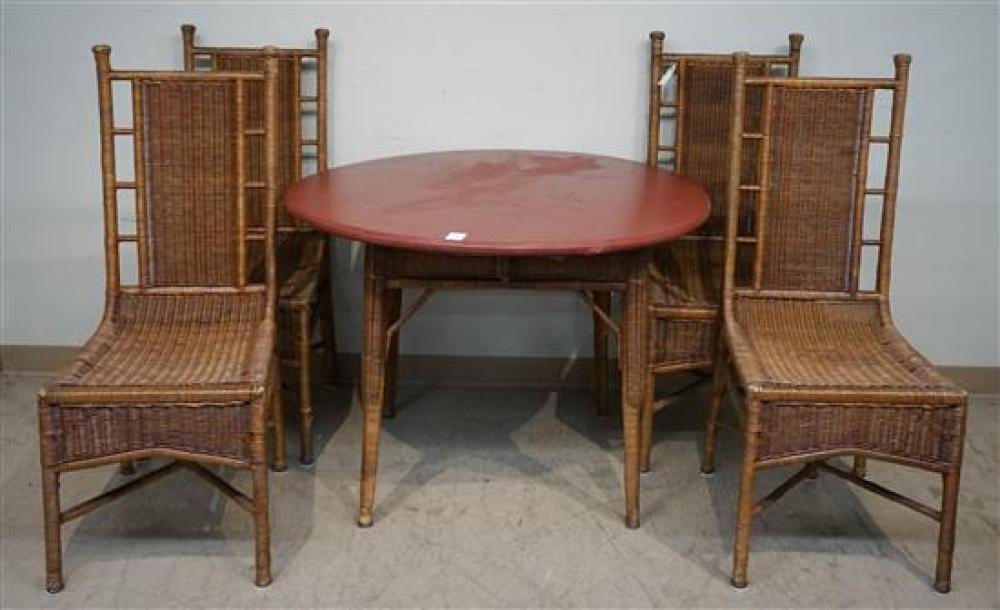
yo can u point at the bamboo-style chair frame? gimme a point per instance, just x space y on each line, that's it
304 293
687 273
140 388
866 395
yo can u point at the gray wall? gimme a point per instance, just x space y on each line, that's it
409 78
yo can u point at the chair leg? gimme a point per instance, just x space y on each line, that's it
599 375
53 530
328 330
714 406
127 468
262 526
278 418
303 339
946 535
860 468
744 516
647 417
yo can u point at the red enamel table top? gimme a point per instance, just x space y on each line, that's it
507 203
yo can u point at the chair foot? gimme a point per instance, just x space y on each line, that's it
127 468
645 469
860 468
54 586
263 582
942 587
738 584
276 467
632 524
707 470
365 522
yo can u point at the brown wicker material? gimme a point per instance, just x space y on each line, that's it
182 363
405 208
689 133
822 370
304 294
390 270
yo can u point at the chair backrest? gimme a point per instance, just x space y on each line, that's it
296 109
809 187
688 126
198 151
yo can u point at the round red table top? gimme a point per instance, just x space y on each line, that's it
501 202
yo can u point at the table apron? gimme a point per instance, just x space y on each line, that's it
500 284
413 269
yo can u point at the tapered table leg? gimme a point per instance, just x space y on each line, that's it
633 384
372 378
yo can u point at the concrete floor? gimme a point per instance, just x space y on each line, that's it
497 497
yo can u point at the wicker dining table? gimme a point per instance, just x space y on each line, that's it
500 219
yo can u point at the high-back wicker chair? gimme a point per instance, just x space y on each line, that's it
182 363
688 133
822 370
304 293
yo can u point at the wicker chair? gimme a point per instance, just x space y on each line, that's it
822 370
691 138
182 364
304 293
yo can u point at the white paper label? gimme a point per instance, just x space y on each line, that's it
667 76
455 236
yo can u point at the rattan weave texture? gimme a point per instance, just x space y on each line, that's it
689 121
182 363
304 294
821 369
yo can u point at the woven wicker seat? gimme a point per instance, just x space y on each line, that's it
820 367
827 344
304 297
211 338
688 132
183 363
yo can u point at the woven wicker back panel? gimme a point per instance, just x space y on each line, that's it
706 87
814 159
189 160
288 142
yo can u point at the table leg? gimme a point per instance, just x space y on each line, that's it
634 357
372 379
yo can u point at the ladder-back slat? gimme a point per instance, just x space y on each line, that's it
109 180
241 180
763 176
861 191
891 184
139 154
